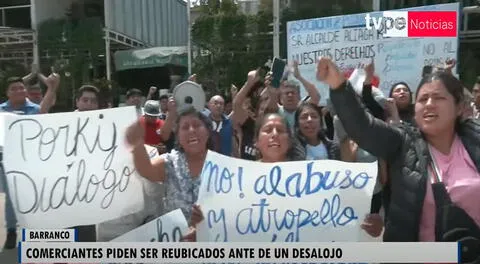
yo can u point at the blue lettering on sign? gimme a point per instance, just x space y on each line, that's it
215 218
222 180
315 24
294 186
262 218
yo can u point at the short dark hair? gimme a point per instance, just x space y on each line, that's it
87 88
14 79
133 92
162 97
35 87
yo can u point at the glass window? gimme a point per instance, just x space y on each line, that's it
18 18
14 2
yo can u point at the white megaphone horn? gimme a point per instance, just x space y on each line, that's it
189 93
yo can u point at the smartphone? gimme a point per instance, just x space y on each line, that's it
278 68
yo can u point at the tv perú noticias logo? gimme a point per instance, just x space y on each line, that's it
414 23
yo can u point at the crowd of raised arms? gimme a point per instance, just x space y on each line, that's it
426 141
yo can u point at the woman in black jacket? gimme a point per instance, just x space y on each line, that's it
310 141
413 213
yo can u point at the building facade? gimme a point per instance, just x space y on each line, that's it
127 23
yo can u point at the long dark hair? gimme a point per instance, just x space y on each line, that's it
191 111
298 133
400 83
406 114
451 83
258 126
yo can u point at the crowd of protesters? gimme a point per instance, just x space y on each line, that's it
426 142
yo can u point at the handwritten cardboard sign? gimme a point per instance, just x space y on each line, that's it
347 41
71 169
153 193
170 227
304 201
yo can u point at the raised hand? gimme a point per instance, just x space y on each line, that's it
53 81
329 73
172 106
370 71
296 72
392 110
152 90
253 77
135 135
450 64
193 78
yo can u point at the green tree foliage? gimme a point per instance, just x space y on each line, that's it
73 44
232 43
229 44
306 9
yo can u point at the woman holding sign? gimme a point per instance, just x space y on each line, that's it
275 144
179 170
434 179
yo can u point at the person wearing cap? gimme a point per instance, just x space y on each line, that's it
152 124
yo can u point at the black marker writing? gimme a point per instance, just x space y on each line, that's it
72 138
86 188
163 236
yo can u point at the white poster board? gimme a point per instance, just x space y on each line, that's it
301 201
2 143
3 115
170 227
346 40
70 169
153 193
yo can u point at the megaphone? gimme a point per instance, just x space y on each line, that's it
189 93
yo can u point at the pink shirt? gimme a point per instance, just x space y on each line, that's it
462 181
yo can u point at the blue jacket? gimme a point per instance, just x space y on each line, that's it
28 108
226 134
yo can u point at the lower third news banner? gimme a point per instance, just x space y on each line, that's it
337 252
